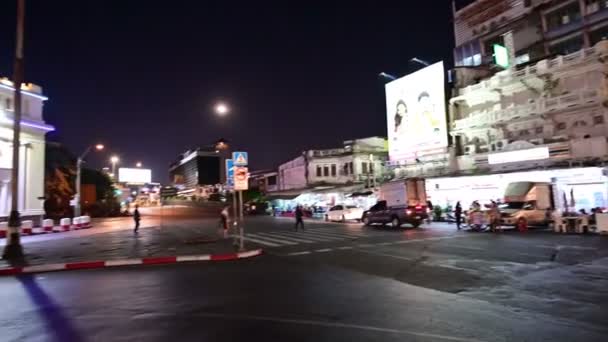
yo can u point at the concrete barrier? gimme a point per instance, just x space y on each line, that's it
86 222
27 227
3 229
65 224
47 225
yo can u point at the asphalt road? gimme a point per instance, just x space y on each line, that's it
333 282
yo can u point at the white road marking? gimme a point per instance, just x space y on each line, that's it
285 236
299 253
316 238
323 250
291 236
364 245
345 247
265 243
434 337
335 235
334 231
272 239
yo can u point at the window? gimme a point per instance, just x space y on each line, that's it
272 180
567 46
351 168
580 123
326 171
319 172
8 103
538 129
598 120
509 134
364 167
333 170
561 126
523 132
598 35
563 16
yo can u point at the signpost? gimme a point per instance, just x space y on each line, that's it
240 182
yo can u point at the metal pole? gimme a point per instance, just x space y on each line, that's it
78 181
242 225
13 248
234 217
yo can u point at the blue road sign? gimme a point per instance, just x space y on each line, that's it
240 158
229 172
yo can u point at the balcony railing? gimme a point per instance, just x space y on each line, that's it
486 118
542 67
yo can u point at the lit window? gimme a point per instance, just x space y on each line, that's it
477 59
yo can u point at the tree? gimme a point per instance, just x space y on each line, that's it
107 204
60 173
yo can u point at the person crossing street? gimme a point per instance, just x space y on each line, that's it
299 218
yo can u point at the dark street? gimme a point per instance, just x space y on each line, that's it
354 283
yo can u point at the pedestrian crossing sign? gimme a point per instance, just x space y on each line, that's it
240 158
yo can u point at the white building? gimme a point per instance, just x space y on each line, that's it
33 130
358 161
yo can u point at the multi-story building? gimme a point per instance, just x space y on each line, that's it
264 180
33 130
358 161
198 172
549 109
538 28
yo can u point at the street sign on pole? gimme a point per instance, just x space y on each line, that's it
240 158
229 172
241 178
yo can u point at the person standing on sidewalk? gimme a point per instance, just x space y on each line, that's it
136 218
224 220
299 215
458 214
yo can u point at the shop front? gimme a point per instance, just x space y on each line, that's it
586 188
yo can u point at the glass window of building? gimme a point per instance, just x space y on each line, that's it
364 167
333 170
567 46
319 172
561 125
351 168
325 171
598 34
538 129
563 16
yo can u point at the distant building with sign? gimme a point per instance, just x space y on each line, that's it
32 149
198 172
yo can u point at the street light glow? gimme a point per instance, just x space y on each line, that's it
114 159
138 164
221 109
99 147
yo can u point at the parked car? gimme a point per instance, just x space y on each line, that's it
402 201
343 213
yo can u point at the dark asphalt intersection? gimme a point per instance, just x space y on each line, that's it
333 282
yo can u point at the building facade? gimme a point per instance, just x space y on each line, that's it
32 149
198 172
357 161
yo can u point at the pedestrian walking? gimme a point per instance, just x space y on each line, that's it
458 214
299 215
495 218
136 218
224 215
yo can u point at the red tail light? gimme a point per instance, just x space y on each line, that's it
419 207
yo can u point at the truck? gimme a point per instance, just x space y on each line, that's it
401 201
528 203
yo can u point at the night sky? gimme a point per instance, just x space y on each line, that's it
142 76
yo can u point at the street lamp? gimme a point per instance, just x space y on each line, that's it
389 76
114 160
138 164
420 61
79 162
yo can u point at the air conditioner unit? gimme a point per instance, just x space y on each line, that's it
470 149
500 144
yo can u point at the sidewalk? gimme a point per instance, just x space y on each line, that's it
169 241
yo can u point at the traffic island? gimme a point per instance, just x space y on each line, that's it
126 248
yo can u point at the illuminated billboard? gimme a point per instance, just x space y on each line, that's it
416 113
128 175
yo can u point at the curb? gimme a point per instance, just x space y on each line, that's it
43 230
82 265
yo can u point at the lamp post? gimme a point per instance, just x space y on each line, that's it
79 162
114 160
138 164
13 248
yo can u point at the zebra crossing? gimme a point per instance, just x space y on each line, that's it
279 238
